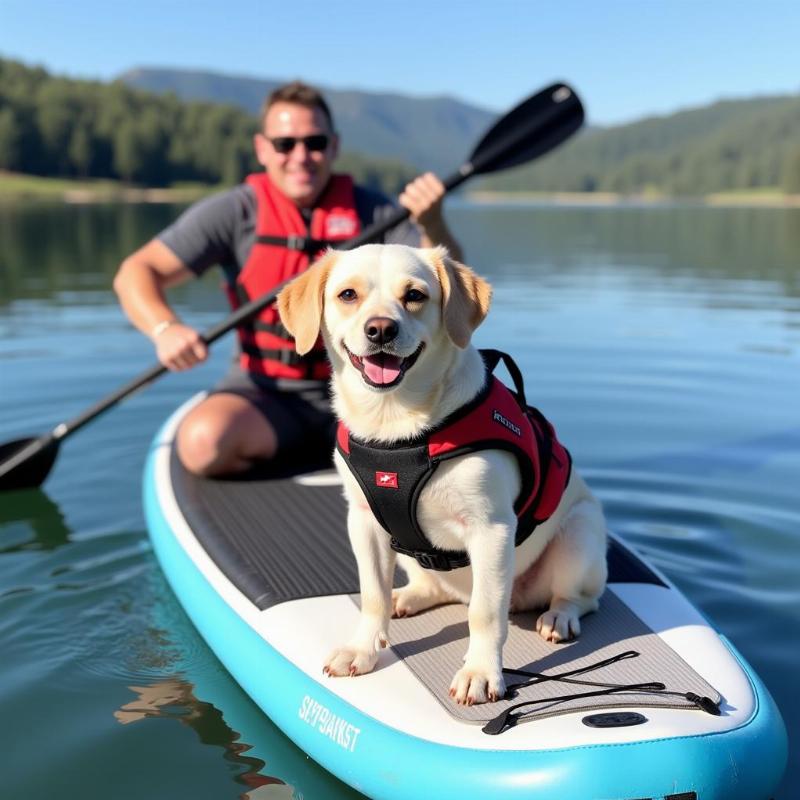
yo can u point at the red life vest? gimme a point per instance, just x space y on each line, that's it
284 247
392 476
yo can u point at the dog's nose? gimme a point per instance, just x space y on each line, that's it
381 330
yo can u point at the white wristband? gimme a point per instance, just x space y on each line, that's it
161 327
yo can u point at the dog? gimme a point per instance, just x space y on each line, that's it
397 323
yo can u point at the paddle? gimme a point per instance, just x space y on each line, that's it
529 130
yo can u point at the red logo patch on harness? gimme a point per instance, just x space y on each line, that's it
386 480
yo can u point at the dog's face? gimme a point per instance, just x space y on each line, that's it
385 310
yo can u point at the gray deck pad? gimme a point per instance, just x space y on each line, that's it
433 645
277 538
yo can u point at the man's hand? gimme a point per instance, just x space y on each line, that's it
179 347
423 198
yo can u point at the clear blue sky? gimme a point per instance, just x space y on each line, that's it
626 58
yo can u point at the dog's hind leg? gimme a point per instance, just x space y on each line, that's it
423 590
577 571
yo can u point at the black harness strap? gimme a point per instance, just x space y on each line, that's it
286 355
394 504
408 466
492 358
276 328
399 487
303 244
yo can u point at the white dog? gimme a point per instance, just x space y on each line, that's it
397 323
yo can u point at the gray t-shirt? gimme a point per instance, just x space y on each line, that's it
221 229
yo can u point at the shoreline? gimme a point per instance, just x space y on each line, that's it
16 187
92 197
608 199
136 195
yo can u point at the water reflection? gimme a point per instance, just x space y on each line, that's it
662 341
47 249
174 698
30 520
735 458
729 243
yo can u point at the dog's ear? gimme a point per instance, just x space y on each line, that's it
465 297
300 304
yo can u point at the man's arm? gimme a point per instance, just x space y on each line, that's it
423 197
140 284
202 236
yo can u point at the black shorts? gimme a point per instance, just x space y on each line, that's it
299 411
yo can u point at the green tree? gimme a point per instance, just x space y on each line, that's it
10 140
235 162
791 172
128 149
81 149
152 142
56 115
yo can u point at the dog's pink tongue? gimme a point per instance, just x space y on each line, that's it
382 368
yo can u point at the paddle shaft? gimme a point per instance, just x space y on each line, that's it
479 162
548 126
241 315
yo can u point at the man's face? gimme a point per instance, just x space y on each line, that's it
301 174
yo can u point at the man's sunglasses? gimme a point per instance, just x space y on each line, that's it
315 143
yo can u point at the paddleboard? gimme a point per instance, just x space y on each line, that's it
649 702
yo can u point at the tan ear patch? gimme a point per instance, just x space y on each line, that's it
466 298
300 304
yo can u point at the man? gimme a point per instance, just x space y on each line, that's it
273 403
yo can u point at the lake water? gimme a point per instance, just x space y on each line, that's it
664 342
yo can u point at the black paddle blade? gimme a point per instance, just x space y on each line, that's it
530 130
29 471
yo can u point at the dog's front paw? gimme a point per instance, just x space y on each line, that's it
352 661
558 625
477 685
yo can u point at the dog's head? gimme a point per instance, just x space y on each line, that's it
385 310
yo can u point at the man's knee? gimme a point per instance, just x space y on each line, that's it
221 438
200 444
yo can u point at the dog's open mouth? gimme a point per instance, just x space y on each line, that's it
384 370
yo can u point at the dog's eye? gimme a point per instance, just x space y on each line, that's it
414 296
348 295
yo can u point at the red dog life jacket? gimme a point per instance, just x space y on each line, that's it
392 476
284 247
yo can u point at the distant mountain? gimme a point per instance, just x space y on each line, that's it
731 144
193 126
429 133
55 126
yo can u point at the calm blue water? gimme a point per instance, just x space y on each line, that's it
664 343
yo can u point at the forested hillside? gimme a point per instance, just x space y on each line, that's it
424 132
736 144
61 127
730 145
